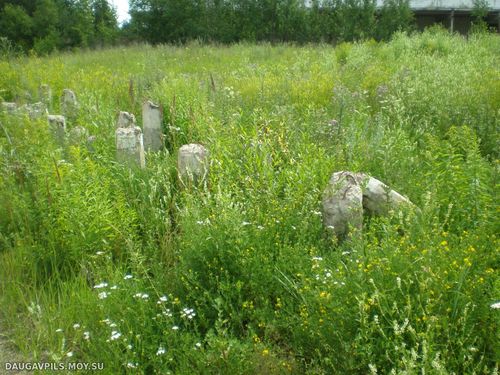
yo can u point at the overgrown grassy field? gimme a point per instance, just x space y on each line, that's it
100 262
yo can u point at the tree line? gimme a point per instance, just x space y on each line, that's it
47 25
301 21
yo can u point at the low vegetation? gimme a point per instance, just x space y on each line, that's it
100 262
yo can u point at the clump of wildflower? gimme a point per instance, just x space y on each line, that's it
127 277
115 335
102 295
86 335
161 350
162 299
495 305
188 313
100 286
141 295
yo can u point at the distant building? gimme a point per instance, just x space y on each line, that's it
455 15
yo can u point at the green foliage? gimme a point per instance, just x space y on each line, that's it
105 263
161 21
395 15
48 25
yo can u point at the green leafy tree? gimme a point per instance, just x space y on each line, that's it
105 23
17 25
395 15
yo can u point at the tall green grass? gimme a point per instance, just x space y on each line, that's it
103 263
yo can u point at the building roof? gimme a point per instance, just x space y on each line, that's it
493 5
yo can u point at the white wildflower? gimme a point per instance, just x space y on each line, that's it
76 326
162 299
126 277
188 313
175 328
100 286
161 350
69 354
102 295
86 335
495 305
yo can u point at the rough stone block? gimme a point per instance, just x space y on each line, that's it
129 146
9 107
45 95
193 163
343 204
78 135
35 110
57 125
125 120
349 195
69 104
151 123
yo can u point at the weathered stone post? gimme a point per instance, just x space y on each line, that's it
69 104
343 204
57 125
379 199
125 120
151 123
348 195
129 141
193 163
35 110
45 95
9 107
78 135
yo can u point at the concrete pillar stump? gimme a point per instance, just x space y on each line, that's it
349 195
57 126
125 120
9 107
193 163
151 123
45 95
129 146
69 104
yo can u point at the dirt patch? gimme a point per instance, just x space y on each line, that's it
8 354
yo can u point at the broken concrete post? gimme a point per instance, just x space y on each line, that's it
193 163
45 95
151 123
9 107
349 194
57 125
343 204
35 110
78 135
69 105
90 143
125 120
129 146
379 199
